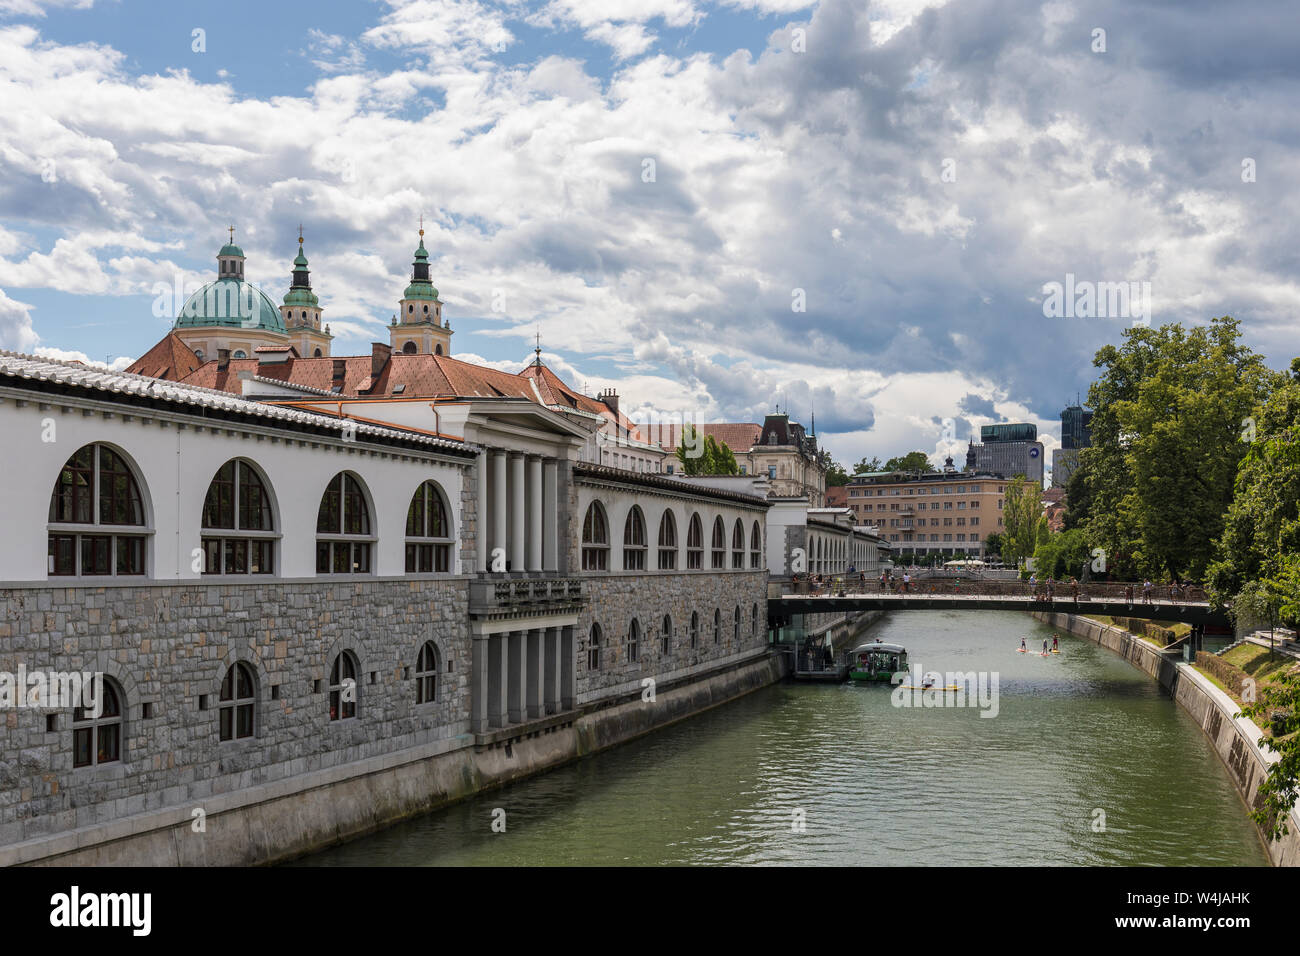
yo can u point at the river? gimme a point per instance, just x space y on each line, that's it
806 774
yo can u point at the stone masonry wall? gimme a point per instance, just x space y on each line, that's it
165 645
616 599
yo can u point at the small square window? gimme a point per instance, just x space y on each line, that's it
146 711
203 701
406 673
373 675
275 691
315 687
51 722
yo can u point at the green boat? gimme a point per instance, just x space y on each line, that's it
877 662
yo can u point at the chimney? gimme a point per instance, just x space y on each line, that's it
223 358
379 355
610 398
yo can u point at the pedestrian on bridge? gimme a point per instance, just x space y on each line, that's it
1146 591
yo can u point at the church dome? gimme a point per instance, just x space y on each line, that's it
229 301
233 303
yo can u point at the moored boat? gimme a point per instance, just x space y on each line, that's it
877 662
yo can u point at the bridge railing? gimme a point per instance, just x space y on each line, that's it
1127 591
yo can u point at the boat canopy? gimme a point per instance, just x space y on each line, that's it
876 647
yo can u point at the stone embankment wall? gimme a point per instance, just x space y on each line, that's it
1235 739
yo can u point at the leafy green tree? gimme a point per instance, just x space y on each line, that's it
912 461
993 544
836 475
1022 513
864 466
1078 496
1261 527
714 458
1168 413
1062 555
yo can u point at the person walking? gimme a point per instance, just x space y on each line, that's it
907 580
1146 591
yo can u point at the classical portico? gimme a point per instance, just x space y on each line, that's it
524 668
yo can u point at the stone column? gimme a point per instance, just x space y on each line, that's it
498 679
535 525
568 669
534 675
498 503
517 540
552 660
478 691
550 517
516 708
482 548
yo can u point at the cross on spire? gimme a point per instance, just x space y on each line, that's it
300 234
537 348
232 235
422 225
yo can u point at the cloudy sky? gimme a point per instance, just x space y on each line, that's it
843 206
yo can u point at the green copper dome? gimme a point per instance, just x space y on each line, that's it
231 303
300 294
230 249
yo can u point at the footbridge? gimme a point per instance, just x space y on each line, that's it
1115 599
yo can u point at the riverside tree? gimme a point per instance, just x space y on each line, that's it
1166 443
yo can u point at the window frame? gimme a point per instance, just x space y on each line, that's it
217 539
356 542
439 549
85 538
594 548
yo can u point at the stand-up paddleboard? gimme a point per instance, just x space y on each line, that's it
1021 650
1056 650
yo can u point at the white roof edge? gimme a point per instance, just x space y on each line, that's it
21 365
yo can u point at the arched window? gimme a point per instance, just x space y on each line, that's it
633 640
695 629
316 354
437 350
634 543
695 544
409 348
237 502
667 636
717 625
593 649
667 541
239 353
719 543
236 702
343 687
756 547
98 739
738 545
735 625
97 497
595 539
343 538
426 674
198 354
428 532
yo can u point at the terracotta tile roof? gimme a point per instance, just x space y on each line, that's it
739 437
421 375
188 398
170 359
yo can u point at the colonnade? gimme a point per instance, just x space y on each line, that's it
517 498
523 675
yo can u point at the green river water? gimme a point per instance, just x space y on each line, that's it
875 784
